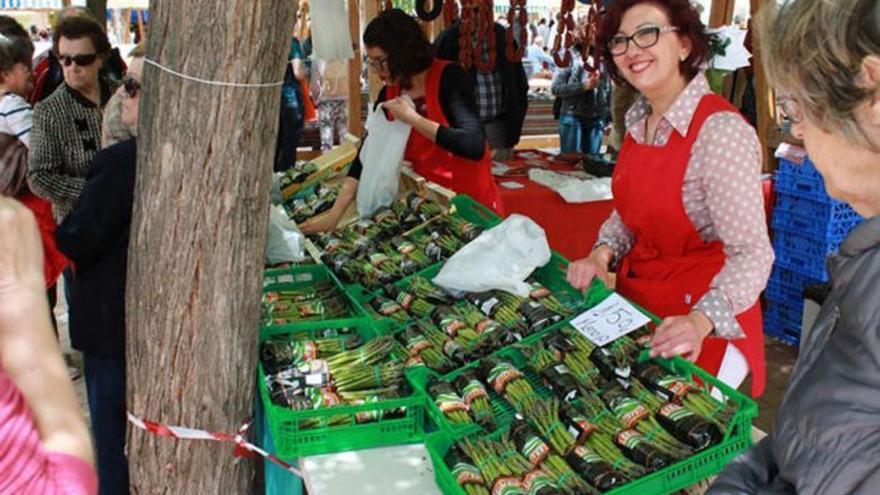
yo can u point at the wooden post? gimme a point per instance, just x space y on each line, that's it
721 13
355 125
140 16
198 235
371 10
763 96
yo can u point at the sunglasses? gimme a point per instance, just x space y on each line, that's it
131 86
80 60
790 109
645 37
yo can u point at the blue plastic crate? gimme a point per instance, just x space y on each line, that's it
803 186
790 312
834 229
806 169
816 210
791 278
781 331
803 254
780 292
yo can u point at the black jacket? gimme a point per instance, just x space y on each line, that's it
94 236
513 78
826 436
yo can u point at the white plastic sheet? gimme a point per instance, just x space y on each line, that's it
573 190
284 242
500 258
380 156
331 39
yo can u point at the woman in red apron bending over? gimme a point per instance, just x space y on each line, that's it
447 144
688 234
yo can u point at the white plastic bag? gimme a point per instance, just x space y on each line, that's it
500 258
284 242
331 39
380 155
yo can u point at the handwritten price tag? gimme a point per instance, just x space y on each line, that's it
611 319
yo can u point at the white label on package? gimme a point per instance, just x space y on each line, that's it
611 319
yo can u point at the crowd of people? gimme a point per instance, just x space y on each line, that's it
687 237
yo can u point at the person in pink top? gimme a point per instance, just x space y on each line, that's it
45 447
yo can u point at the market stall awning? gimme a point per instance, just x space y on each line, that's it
30 4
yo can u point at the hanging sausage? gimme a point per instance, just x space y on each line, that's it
517 15
429 15
564 32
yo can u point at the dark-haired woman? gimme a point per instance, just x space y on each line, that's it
447 144
688 234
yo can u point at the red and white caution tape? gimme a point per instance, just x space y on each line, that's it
243 448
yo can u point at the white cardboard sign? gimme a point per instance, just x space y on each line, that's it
612 318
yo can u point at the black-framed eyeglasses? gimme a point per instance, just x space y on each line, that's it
131 86
378 63
83 60
645 37
790 108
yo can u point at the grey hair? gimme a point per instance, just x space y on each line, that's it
814 49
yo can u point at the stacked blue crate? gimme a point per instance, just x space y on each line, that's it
807 226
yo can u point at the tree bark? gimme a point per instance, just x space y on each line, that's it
198 235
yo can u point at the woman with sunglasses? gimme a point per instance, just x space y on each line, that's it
826 434
94 235
447 144
67 125
688 234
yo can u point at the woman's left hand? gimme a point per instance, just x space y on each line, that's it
402 109
681 336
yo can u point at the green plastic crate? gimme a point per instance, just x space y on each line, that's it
292 440
680 475
299 276
466 208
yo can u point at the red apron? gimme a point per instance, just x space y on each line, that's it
471 177
53 261
670 267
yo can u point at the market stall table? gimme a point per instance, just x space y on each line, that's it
572 228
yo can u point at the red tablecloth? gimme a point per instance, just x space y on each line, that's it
571 228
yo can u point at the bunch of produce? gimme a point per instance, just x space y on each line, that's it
321 301
508 382
449 402
306 374
680 390
422 351
476 398
508 470
304 207
297 174
466 474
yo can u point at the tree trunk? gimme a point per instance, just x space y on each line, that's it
99 8
198 234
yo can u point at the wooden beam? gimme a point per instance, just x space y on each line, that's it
721 13
763 96
371 10
354 70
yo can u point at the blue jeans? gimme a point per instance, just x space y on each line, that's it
594 132
571 133
579 134
105 387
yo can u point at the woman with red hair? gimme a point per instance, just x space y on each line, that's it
688 235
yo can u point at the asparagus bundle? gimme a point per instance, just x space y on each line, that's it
389 308
544 416
373 352
384 377
678 389
597 428
533 448
449 402
451 347
535 479
498 474
545 297
451 323
462 229
279 353
508 382
465 473
418 346
476 397
634 415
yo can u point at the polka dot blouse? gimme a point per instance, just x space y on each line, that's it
723 197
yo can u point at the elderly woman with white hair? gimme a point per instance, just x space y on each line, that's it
824 58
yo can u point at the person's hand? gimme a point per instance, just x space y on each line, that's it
402 109
320 223
21 255
581 272
681 336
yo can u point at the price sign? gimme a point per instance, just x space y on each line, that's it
611 319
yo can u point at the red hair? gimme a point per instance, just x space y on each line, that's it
681 14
